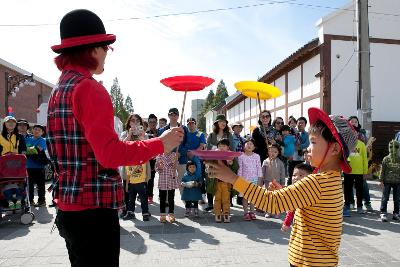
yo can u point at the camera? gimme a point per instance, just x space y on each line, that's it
137 129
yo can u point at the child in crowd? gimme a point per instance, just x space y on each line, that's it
273 169
12 193
317 198
137 178
289 144
358 162
250 170
167 183
300 171
191 183
390 178
222 194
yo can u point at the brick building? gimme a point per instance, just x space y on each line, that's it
28 99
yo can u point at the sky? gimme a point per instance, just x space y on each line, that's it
233 45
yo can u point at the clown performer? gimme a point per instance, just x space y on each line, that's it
83 145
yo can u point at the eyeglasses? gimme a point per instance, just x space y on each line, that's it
279 122
265 116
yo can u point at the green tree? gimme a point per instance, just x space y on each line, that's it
220 94
128 104
117 100
208 105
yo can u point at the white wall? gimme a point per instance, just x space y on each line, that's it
311 84
385 80
381 26
294 84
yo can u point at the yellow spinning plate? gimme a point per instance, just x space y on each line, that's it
257 90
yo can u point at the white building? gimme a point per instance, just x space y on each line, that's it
197 106
323 73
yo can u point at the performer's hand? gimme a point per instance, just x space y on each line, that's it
172 138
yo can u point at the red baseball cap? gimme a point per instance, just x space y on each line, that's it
342 131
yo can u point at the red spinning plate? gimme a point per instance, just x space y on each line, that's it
187 82
215 154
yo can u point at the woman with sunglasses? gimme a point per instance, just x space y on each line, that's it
272 134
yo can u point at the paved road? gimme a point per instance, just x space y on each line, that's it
201 242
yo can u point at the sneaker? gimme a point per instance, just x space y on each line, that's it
384 218
252 216
268 215
247 217
395 217
129 216
368 207
218 218
209 208
150 200
11 205
163 218
171 218
202 202
227 218
52 205
360 210
196 213
17 204
40 204
146 217
346 212
187 212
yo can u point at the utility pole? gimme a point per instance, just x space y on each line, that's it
364 72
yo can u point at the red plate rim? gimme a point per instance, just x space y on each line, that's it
215 154
187 82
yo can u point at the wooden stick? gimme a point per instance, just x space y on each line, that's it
181 120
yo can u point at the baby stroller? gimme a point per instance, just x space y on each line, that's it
13 171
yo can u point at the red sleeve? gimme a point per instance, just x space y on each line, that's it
93 109
289 218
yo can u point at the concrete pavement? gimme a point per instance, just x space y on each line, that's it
366 241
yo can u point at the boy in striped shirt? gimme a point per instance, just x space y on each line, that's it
317 199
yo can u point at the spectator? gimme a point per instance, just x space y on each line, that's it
10 140
23 127
389 179
264 127
238 141
162 122
36 163
302 145
151 133
220 131
173 115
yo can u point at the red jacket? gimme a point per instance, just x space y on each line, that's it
84 146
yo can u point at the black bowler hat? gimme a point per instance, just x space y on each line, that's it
82 28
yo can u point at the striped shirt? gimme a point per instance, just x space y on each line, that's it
317 229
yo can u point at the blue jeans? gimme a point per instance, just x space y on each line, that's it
385 197
8 194
141 190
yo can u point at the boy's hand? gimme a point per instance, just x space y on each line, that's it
229 162
221 171
284 228
381 184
